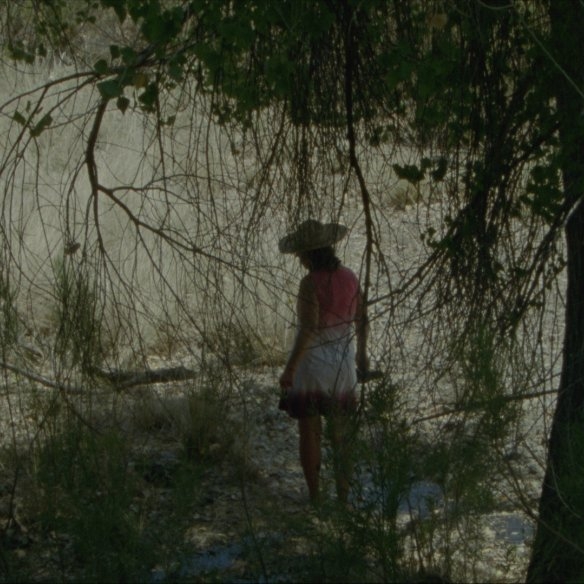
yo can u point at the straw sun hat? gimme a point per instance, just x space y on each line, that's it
312 234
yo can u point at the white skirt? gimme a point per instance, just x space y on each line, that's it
327 367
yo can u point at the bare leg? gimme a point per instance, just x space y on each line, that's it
310 430
340 435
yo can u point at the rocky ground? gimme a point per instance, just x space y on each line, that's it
222 498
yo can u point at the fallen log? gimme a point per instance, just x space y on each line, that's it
125 379
118 378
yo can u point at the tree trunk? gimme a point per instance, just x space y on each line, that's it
558 551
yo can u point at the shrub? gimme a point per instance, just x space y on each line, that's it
78 317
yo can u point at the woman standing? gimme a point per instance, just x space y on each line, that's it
320 377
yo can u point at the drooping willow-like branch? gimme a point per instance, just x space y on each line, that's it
97 188
352 140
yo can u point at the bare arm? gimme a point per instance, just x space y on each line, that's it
362 331
307 314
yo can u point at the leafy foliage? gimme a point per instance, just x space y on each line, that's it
86 493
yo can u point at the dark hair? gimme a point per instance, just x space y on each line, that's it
322 258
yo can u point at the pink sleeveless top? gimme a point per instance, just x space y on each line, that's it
328 366
337 293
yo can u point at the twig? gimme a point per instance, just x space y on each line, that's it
40 379
482 404
126 379
121 379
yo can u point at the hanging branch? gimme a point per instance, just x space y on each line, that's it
353 160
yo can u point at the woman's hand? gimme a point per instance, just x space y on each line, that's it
362 330
286 378
362 362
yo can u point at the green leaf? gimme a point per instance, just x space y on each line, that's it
115 51
101 67
128 56
19 54
544 195
176 67
409 172
440 171
122 103
19 118
149 97
153 26
42 125
110 88
140 79
118 6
